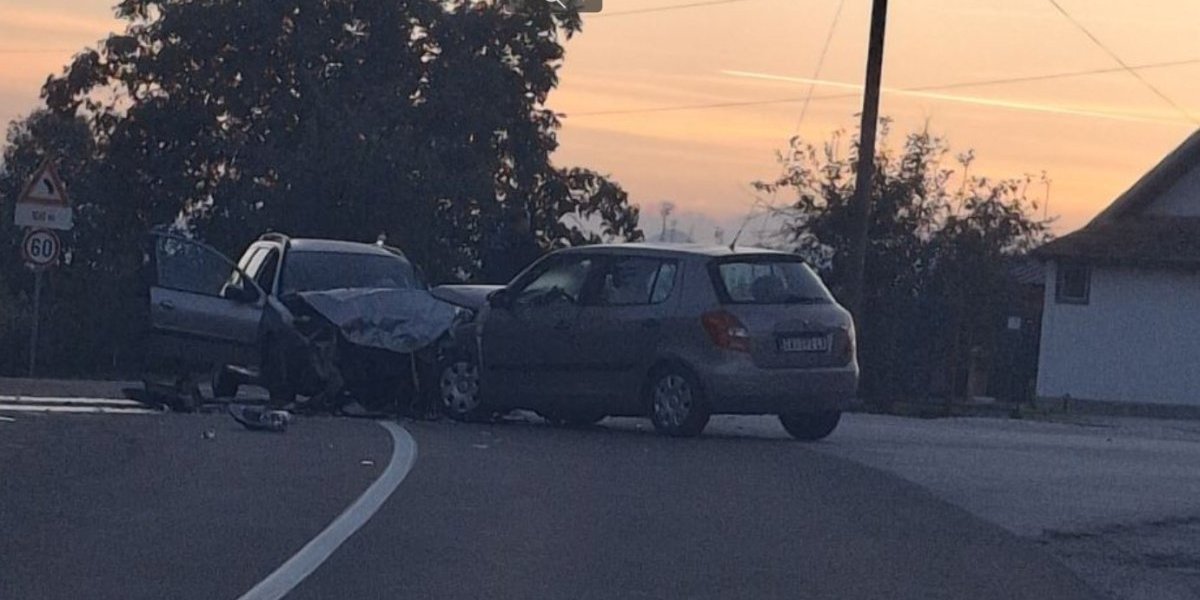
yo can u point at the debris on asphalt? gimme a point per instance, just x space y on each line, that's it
208 434
366 462
480 446
257 418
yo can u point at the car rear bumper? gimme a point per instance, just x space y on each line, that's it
741 388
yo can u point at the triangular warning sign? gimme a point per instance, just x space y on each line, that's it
45 187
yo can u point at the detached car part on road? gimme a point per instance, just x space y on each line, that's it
673 332
331 321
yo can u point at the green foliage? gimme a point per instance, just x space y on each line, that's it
424 120
419 119
86 301
941 243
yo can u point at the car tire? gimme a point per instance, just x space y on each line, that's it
458 389
676 402
811 426
224 384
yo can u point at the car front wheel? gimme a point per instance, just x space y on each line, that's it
811 427
458 385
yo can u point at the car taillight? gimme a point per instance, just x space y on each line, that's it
726 331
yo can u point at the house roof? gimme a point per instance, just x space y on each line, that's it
1160 241
1155 182
1124 234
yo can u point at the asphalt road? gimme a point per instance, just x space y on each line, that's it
105 506
108 506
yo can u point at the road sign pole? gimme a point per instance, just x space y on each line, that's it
37 313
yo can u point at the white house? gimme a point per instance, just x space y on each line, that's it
1121 319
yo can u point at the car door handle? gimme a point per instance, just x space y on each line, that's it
166 305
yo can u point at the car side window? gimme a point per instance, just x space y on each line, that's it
265 277
249 256
560 281
186 266
664 284
629 281
253 262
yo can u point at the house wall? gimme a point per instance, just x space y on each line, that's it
1181 199
1137 340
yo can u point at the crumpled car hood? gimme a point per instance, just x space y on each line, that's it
391 319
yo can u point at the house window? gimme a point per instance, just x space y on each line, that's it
1074 284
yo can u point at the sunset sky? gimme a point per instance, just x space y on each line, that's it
1094 134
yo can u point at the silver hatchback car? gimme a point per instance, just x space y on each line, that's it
675 332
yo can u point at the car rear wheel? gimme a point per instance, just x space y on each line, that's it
810 427
677 404
459 389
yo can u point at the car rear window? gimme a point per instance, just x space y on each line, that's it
768 280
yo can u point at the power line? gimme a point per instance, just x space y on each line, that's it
654 9
1124 65
925 88
768 206
820 64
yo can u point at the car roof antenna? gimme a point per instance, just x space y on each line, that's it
745 222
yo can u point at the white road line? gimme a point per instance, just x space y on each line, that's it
292 572
50 408
62 400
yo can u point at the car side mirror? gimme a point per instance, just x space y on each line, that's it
501 298
240 292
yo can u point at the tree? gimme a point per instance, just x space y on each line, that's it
936 270
419 119
86 315
424 120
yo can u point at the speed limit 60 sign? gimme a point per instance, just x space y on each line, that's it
40 248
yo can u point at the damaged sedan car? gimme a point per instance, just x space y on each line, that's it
673 332
318 323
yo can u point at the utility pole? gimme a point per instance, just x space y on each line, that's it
861 206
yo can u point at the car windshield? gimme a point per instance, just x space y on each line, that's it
321 271
760 281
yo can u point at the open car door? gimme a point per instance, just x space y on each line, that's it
204 311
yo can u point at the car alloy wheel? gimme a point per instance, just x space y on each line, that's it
677 404
672 400
460 389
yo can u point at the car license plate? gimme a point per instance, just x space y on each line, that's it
809 343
